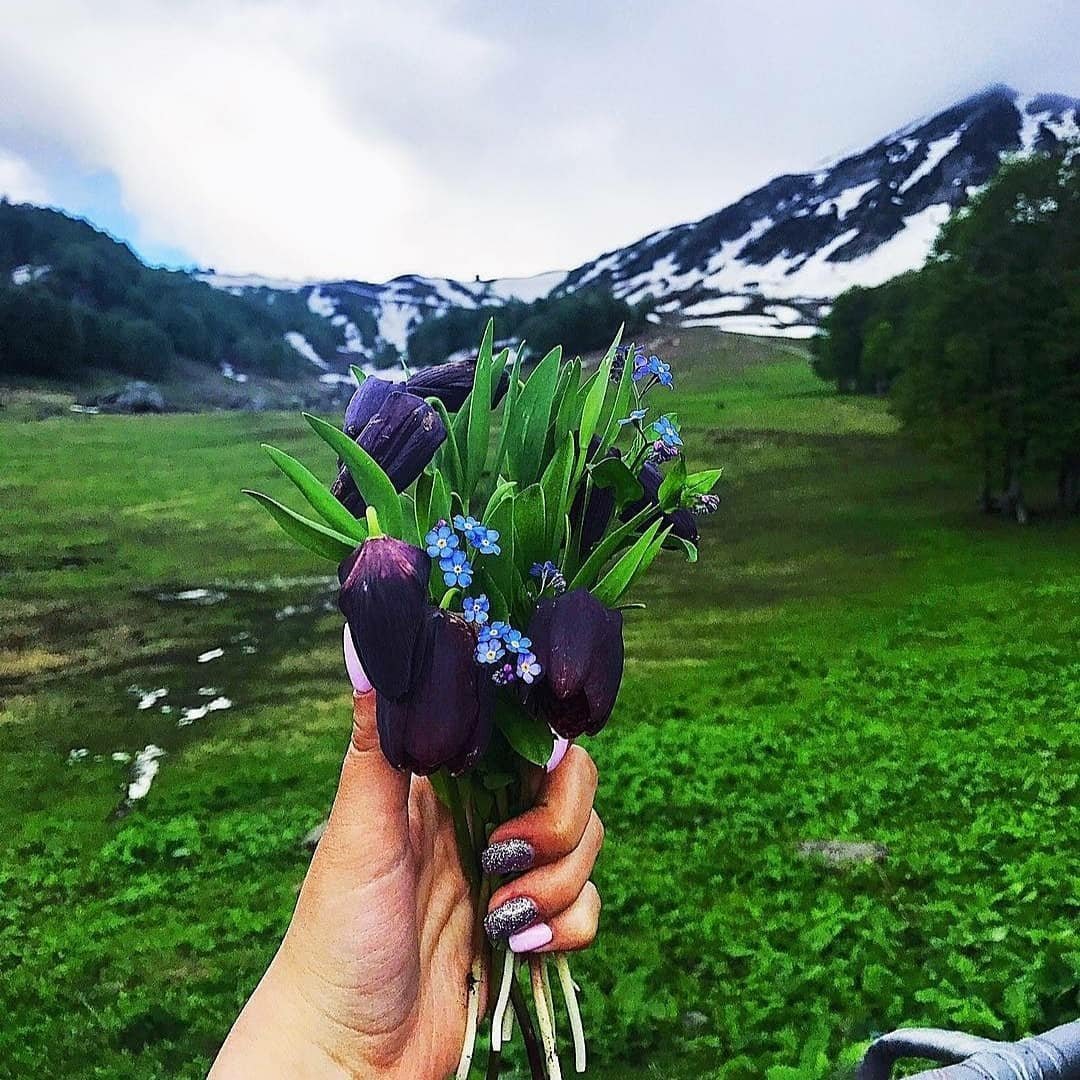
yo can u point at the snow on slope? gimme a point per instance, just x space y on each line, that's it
800 239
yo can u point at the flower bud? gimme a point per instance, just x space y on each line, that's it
368 399
452 383
683 523
579 645
446 719
402 437
383 596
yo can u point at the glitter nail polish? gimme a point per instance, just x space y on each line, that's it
507 857
511 917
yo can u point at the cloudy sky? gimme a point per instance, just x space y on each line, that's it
310 138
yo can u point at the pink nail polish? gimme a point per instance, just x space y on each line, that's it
536 936
558 752
357 675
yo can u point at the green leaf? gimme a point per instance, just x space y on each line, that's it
479 426
534 407
564 405
441 499
508 407
503 490
530 737
614 473
372 482
310 534
556 486
358 374
530 526
617 580
671 487
690 549
410 530
701 483
590 569
450 451
425 485
594 400
321 501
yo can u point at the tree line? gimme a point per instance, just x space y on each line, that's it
580 321
73 298
979 351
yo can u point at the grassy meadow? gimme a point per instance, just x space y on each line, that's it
858 656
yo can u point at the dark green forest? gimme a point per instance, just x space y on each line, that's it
979 351
85 300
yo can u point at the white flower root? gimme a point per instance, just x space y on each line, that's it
502 1018
544 1016
569 990
471 1017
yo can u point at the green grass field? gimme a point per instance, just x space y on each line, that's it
858 656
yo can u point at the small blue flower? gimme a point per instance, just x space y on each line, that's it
641 364
539 570
490 652
668 432
662 371
528 668
465 524
485 541
515 641
440 540
634 418
476 609
456 569
493 630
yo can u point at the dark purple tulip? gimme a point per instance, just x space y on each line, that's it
369 398
383 596
402 437
683 523
579 644
589 520
446 719
452 383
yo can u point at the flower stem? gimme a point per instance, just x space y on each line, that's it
528 1032
462 835
572 1011
374 529
472 1013
502 1001
543 1018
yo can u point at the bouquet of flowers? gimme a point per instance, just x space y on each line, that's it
487 526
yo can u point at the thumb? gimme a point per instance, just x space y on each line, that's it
369 821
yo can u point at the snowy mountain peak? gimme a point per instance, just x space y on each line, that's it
770 262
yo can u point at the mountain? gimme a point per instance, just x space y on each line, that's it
769 263
73 298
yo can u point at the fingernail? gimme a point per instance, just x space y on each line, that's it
357 675
507 857
534 938
558 752
510 917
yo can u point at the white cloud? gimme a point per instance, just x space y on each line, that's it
19 182
365 139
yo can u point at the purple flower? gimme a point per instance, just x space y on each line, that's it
661 452
578 644
402 437
589 521
368 399
706 504
683 523
503 676
446 720
452 383
383 597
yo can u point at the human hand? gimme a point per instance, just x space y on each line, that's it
372 976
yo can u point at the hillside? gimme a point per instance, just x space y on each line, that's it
767 263
73 299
